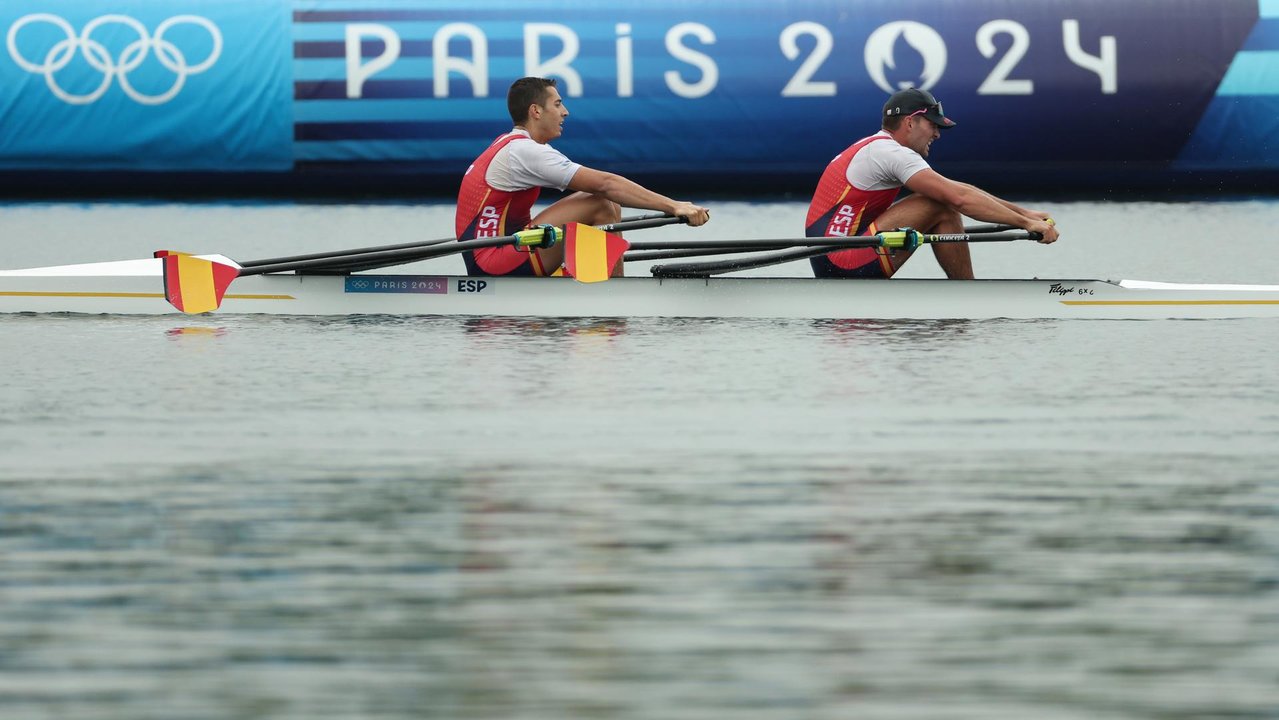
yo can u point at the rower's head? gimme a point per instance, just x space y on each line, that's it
535 105
915 119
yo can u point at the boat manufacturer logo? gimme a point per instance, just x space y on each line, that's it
422 284
62 52
1059 289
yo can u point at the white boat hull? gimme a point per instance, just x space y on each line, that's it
135 287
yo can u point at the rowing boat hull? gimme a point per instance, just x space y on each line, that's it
135 287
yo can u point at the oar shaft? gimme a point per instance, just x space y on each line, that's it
379 258
976 229
757 244
340 253
719 267
884 239
634 222
801 248
643 221
981 237
370 258
642 255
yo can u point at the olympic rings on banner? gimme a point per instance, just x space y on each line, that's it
130 58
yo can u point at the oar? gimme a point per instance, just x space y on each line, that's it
977 229
642 251
196 285
891 239
808 247
631 223
726 249
371 258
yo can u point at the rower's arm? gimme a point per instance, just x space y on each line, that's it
1036 214
973 202
631 194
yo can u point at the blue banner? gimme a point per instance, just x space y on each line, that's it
755 90
181 85
761 88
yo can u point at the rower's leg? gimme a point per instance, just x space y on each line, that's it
929 216
953 258
579 207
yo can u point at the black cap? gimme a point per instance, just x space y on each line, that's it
913 101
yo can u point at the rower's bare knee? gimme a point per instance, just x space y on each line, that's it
942 218
606 211
951 221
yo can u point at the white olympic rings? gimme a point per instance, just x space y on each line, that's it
133 55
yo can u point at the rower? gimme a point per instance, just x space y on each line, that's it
500 187
856 192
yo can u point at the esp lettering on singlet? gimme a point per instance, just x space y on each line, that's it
484 211
838 210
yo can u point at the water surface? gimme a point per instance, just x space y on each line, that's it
237 517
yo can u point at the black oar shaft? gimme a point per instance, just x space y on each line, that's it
635 222
371 258
379 258
801 248
757 244
641 222
834 242
977 229
338 253
643 255
719 267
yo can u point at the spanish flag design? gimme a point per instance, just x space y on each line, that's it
590 254
194 285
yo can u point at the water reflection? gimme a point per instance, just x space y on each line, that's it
849 330
195 332
526 327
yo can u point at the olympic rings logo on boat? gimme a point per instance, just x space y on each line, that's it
100 59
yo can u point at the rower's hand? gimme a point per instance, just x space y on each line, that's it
1046 227
696 214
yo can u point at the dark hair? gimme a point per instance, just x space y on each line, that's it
892 122
524 92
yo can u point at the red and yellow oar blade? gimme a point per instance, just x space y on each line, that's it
194 285
590 254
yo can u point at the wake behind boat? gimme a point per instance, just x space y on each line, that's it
135 287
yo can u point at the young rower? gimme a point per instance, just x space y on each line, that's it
856 192
500 187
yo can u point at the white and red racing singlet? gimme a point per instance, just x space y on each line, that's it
484 211
840 209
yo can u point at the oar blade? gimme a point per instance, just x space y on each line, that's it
194 285
590 254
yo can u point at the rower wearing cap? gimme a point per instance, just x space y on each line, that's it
856 194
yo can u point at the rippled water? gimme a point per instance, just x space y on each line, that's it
233 517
